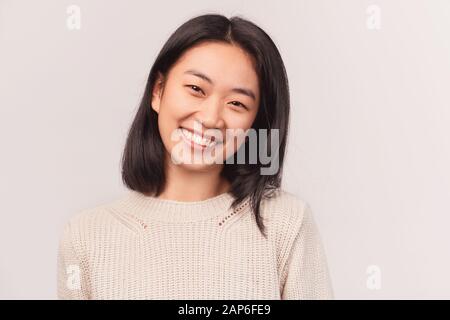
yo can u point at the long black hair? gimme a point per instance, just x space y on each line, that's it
143 156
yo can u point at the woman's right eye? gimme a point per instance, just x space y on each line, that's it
195 88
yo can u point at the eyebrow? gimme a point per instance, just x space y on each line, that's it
243 91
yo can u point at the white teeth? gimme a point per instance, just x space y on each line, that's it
206 142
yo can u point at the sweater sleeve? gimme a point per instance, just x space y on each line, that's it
306 273
72 283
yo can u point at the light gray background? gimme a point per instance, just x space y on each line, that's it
369 142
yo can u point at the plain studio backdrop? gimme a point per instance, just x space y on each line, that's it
369 144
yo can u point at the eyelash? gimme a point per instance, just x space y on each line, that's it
194 86
243 105
200 89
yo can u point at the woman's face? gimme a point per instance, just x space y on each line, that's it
211 89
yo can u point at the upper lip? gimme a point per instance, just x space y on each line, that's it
202 134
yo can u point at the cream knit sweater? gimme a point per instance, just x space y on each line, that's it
140 247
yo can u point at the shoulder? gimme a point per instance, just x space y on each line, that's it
88 223
283 209
284 214
89 218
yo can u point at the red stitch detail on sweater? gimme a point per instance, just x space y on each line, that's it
140 221
233 213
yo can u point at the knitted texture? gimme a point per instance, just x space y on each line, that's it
142 247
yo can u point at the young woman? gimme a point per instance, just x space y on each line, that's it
205 229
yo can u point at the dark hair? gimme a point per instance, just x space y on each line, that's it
143 156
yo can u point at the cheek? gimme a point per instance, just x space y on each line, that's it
174 108
176 105
236 120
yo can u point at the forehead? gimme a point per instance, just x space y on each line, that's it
225 64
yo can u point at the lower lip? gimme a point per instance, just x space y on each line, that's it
194 144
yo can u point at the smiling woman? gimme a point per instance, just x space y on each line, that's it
196 231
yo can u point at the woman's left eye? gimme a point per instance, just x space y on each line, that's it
238 104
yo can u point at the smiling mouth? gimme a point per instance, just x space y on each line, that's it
197 140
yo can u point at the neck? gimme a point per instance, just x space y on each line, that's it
183 184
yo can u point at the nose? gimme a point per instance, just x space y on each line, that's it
210 115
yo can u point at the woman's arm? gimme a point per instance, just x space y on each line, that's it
72 280
306 274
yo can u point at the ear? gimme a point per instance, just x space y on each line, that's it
157 93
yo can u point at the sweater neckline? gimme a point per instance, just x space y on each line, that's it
150 207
